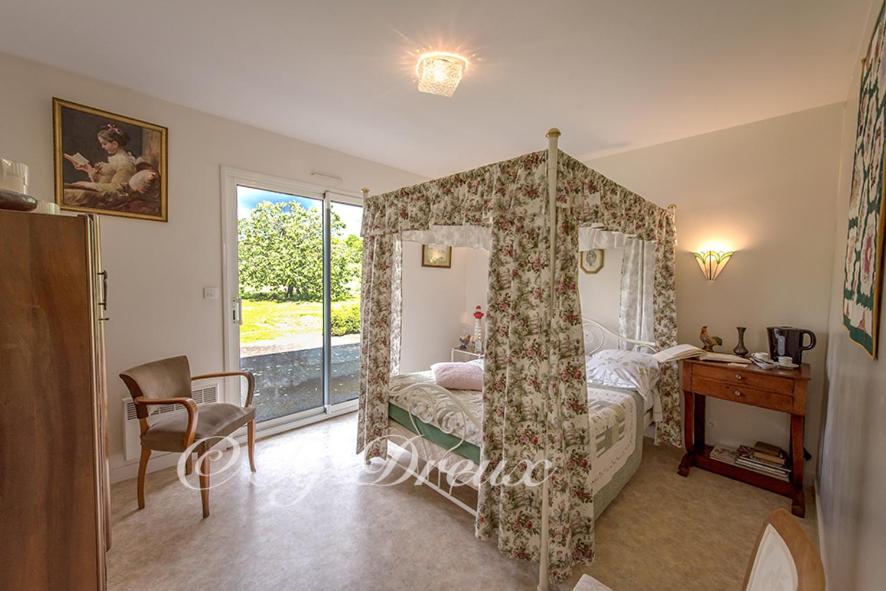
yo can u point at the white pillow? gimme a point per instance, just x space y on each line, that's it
458 375
625 369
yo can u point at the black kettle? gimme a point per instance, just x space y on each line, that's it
788 341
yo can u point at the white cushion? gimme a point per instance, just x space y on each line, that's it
774 568
626 369
589 583
458 376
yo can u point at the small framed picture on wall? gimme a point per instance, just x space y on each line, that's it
592 260
433 255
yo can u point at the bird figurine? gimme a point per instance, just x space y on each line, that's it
709 341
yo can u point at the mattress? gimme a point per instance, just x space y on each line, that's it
450 424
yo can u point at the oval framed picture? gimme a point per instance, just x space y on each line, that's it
592 261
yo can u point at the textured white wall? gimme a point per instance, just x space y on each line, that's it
158 270
766 190
600 293
436 304
852 473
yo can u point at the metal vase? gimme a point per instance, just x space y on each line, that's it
740 349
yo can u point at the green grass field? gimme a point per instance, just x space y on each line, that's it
265 320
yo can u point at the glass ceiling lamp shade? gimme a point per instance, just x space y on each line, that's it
439 72
712 262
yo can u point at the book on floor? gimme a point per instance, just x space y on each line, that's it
769 459
783 476
746 459
725 454
769 452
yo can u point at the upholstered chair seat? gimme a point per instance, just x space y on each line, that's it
217 419
196 430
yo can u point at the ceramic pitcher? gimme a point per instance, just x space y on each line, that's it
13 176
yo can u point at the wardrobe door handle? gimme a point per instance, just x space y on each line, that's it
104 301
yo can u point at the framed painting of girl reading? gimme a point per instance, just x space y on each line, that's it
109 164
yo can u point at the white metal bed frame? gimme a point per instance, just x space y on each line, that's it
416 396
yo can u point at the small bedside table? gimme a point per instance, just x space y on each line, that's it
463 355
777 389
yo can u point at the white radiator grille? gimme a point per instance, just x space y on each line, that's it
131 430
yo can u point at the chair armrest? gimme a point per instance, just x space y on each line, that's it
190 406
250 381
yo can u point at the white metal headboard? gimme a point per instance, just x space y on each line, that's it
597 336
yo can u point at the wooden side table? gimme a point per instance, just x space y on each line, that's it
779 389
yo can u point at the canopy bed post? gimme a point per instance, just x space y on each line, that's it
553 136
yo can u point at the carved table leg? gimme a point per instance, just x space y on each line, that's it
798 506
688 428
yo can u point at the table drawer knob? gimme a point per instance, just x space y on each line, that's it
738 376
736 392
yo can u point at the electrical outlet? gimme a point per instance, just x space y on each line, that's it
210 293
711 424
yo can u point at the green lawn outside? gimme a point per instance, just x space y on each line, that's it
266 320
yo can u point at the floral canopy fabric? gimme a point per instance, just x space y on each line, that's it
535 398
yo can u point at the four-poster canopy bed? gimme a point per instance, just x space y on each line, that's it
534 213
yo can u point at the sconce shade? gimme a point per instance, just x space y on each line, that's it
712 263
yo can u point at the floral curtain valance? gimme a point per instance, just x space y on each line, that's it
463 199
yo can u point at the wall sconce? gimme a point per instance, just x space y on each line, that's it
712 262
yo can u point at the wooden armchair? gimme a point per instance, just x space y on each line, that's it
168 381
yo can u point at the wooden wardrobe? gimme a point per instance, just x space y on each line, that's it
54 505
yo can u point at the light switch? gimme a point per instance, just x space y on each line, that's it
210 293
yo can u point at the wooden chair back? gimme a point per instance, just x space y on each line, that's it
166 378
784 559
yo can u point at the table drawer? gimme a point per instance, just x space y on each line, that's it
741 393
745 378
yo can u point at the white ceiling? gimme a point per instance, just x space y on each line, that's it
613 75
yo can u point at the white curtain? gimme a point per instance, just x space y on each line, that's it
591 237
465 236
635 315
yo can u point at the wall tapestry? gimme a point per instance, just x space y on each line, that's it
109 164
864 245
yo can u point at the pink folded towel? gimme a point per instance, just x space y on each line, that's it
458 376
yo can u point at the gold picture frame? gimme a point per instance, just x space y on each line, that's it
435 256
109 164
592 261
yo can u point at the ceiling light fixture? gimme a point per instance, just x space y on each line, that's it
439 72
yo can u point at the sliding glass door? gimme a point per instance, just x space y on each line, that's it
346 264
294 289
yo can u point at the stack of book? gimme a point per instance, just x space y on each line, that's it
765 458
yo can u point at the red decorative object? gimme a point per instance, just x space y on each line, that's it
478 330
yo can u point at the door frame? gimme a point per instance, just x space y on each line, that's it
231 177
